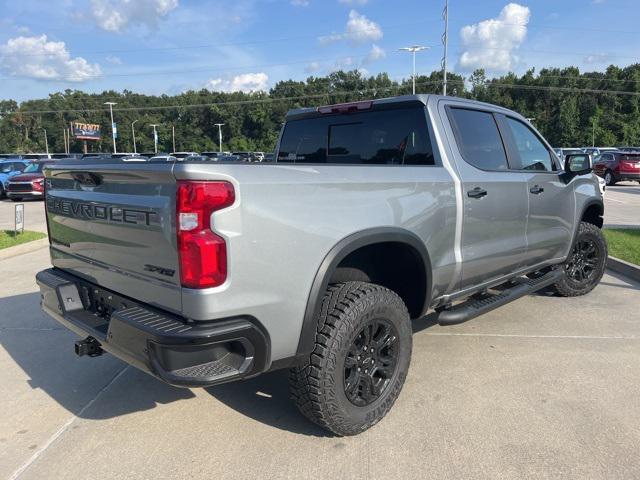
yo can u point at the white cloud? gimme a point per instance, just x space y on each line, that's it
313 67
376 53
38 58
113 60
117 15
300 3
359 30
354 2
247 82
598 58
491 44
364 72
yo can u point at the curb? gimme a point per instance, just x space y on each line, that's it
627 269
23 248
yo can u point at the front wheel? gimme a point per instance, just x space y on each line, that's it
609 180
360 361
586 263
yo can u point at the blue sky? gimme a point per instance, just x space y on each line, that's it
168 46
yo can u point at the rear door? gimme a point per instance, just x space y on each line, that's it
114 224
551 198
495 199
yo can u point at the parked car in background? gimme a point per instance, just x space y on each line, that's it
28 184
598 150
629 149
9 168
617 166
258 156
12 156
57 156
563 152
183 154
269 157
36 156
244 156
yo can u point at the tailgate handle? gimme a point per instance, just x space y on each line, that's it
87 178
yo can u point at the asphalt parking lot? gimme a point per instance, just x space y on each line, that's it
544 387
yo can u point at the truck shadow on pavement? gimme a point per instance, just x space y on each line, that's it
43 350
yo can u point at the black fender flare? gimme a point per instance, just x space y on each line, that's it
338 253
588 204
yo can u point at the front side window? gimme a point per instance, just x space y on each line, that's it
384 137
478 139
532 153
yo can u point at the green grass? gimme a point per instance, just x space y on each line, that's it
9 239
624 244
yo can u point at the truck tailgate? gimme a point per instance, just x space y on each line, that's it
114 225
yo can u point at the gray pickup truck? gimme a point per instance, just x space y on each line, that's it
372 214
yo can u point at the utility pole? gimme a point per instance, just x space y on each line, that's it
133 134
414 49
46 142
173 135
155 137
66 145
593 132
113 125
219 125
445 42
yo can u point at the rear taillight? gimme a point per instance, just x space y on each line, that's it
627 165
203 254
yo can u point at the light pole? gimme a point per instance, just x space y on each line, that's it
155 137
46 142
593 132
173 136
133 133
414 49
445 43
113 125
219 125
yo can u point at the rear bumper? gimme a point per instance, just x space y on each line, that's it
180 353
622 176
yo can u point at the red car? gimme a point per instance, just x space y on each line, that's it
617 166
29 184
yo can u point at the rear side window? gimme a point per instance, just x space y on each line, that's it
478 139
383 137
532 153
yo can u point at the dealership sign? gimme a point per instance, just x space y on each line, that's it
85 131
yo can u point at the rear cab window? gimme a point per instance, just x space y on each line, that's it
478 139
396 136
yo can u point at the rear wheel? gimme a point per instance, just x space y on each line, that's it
609 179
360 361
586 263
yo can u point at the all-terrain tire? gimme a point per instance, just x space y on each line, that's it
588 236
318 386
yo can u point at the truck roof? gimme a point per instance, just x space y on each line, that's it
298 113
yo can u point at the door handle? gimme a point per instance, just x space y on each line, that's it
477 193
537 190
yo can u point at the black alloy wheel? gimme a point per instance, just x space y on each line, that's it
370 362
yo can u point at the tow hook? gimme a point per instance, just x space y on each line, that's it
89 346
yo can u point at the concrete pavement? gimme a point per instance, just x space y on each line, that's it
544 387
622 205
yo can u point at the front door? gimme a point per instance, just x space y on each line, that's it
551 199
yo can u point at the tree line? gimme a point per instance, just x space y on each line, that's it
569 108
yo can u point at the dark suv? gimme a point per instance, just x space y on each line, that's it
617 166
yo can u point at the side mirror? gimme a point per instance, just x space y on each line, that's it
578 163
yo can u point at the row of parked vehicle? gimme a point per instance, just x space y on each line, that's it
21 176
613 164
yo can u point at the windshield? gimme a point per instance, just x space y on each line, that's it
34 167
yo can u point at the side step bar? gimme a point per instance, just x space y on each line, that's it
473 308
